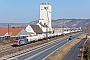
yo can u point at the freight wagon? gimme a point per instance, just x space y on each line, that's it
27 40
37 38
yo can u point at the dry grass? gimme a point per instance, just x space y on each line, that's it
60 54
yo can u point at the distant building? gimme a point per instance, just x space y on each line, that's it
45 15
13 32
43 27
62 30
33 29
57 30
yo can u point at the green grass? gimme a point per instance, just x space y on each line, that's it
88 52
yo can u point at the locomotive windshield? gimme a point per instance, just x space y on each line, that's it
15 40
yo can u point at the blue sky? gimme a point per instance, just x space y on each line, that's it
25 11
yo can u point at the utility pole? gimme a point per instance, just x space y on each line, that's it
70 31
63 27
8 33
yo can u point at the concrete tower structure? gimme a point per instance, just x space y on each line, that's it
45 15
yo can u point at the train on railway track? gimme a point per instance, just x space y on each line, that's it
38 38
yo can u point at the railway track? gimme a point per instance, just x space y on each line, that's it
10 50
